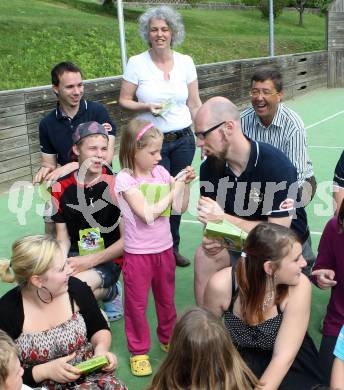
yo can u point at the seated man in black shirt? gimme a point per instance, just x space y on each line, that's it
244 182
87 220
338 184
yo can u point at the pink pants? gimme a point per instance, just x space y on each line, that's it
140 272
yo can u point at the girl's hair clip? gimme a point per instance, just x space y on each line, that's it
143 130
244 255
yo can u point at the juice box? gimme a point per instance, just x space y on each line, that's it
234 236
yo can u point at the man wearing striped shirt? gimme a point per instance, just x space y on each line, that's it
270 121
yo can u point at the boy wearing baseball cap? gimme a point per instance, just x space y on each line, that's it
87 219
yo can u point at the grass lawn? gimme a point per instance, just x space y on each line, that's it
36 34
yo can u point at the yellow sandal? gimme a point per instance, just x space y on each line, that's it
165 347
140 365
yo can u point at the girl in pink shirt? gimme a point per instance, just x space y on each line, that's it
148 259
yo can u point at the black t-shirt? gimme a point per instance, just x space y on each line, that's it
259 192
56 129
339 172
81 207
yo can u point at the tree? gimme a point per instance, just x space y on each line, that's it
300 6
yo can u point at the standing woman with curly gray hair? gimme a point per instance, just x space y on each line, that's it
161 85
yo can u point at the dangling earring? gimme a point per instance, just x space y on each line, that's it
46 290
275 280
269 297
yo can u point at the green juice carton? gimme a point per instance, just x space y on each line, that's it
154 192
92 364
166 106
233 236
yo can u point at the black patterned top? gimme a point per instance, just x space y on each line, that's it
253 336
62 340
261 336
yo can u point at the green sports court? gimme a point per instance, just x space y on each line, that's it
323 114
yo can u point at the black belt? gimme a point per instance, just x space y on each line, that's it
174 135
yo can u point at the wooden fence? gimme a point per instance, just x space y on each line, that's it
335 39
21 110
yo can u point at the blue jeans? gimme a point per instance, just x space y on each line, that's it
176 155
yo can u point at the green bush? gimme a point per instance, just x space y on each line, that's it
251 2
278 6
322 5
192 2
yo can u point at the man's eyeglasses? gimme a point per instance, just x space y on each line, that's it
202 134
264 92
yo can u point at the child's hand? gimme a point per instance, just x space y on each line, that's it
186 175
190 174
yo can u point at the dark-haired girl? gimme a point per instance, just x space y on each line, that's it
266 303
328 272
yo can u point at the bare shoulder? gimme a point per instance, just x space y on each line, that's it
299 294
304 286
218 293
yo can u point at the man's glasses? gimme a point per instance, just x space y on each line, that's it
202 134
264 92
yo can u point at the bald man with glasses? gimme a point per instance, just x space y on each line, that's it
269 120
244 182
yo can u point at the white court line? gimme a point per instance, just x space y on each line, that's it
189 221
197 222
325 147
316 233
325 119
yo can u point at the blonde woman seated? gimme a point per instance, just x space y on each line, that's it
54 319
202 357
266 303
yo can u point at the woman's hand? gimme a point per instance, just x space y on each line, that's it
155 108
112 358
60 371
325 278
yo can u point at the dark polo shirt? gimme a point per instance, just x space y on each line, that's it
259 192
56 129
339 172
